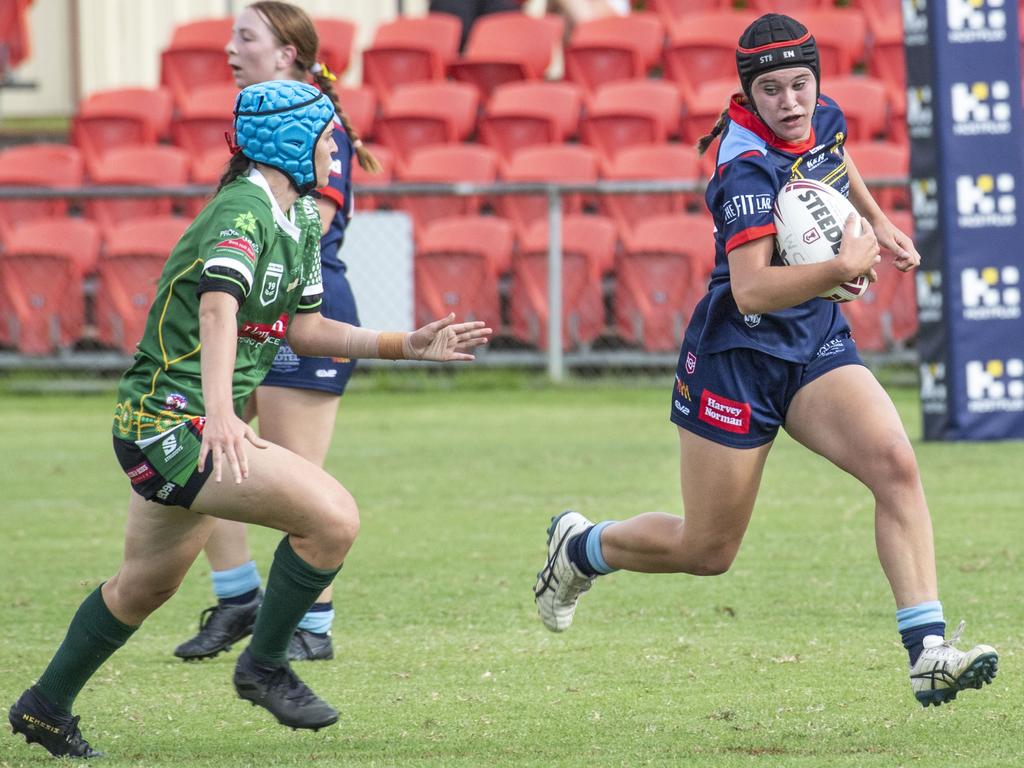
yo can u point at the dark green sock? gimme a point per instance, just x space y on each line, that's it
292 586
92 638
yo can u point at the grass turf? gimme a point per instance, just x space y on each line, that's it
790 659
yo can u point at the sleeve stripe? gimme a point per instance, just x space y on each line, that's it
749 234
313 290
226 278
235 266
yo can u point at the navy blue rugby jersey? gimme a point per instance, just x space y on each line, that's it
752 166
339 190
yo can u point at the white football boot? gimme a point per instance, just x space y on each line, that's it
942 671
559 585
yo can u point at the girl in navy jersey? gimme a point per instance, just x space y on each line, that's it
297 403
762 351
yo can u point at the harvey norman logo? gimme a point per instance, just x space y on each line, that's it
986 201
976 21
933 387
991 293
915 22
995 385
980 108
929 295
919 111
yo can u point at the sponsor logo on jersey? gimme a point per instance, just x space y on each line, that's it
230 233
726 414
246 222
933 387
986 201
831 348
326 373
981 108
140 473
171 447
752 321
263 332
271 283
991 293
165 491
745 205
995 385
683 389
177 401
335 167
239 245
976 21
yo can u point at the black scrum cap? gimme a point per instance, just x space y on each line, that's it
772 42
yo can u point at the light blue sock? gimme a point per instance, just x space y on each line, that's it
318 619
235 581
594 554
918 615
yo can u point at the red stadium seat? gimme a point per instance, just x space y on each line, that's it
209 165
120 117
530 113
886 316
707 105
614 48
630 112
128 270
656 162
794 8
840 34
421 114
37 165
410 50
588 250
204 117
457 264
196 57
661 275
887 61
565 163
15 39
159 166
336 39
446 163
504 47
864 101
883 160
703 48
674 11
880 13
386 158
360 107
41 277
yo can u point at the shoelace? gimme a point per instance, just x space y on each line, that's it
207 615
955 637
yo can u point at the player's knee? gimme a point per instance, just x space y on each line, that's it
338 519
142 596
896 464
713 563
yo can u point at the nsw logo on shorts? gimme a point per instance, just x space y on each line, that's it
724 413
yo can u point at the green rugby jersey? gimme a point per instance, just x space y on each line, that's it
241 243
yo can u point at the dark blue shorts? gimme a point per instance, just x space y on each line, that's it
324 374
740 397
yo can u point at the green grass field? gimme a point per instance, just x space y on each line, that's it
790 659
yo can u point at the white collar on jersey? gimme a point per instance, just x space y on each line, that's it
287 223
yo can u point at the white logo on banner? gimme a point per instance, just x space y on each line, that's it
915 22
929 295
991 293
980 108
933 387
924 201
995 385
919 111
976 21
986 201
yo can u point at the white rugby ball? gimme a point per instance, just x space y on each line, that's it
809 222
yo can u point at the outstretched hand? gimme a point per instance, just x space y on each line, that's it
904 255
444 340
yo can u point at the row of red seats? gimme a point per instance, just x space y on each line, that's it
620 114
659 273
33 165
14 34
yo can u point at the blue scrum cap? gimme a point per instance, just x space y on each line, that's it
278 123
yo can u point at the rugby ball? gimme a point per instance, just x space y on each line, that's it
809 222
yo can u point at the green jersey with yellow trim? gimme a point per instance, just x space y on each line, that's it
241 243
